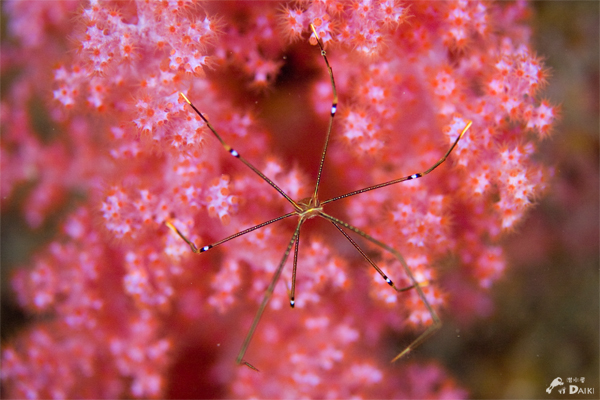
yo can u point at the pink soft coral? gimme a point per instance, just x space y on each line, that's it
126 305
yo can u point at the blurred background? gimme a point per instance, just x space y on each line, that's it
546 319
546 322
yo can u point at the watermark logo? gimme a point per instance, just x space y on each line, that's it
556 382
575 386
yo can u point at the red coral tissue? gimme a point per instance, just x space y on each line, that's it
122 308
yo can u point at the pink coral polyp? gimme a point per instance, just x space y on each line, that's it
121 300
